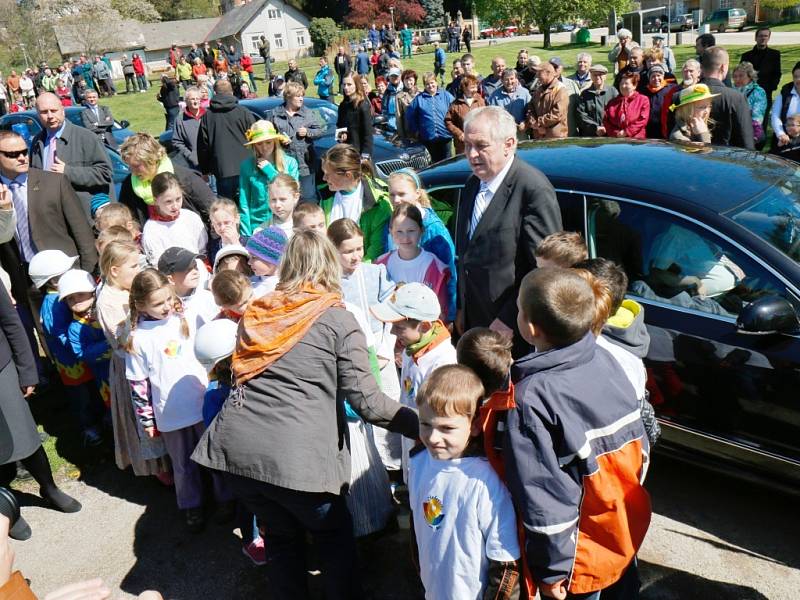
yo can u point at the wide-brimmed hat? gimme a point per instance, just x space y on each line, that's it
263 131
695 93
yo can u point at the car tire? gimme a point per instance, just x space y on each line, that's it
721 29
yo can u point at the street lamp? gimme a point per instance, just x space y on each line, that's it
391 10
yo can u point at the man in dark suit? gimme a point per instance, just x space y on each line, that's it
98 119
767 62
342 66
73 151
507 208
733 124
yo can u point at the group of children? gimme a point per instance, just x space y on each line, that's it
526 472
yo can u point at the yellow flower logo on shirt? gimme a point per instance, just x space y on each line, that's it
432 510
172 349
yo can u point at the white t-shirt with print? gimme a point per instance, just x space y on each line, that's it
463 517
408 271
187 231
200 306
177 380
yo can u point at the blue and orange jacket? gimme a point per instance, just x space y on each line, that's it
56 317
575 456
89 343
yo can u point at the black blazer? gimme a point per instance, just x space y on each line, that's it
733 123
358 120
57 222
492 264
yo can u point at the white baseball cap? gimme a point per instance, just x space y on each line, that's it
214 341
411 301
48 264
75 281
230 250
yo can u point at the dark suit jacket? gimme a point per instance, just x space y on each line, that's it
94 124
88 168
733 124
492 264
767 63
57 222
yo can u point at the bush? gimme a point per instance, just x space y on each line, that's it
353 35
323 33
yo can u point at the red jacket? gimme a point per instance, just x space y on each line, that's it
627 114
246 63
138 66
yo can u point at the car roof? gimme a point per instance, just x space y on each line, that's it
712 177
272 102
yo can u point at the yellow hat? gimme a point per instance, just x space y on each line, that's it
264 131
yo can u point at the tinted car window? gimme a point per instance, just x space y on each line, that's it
444 202
673 260
775 217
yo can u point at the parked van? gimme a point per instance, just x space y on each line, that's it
727 18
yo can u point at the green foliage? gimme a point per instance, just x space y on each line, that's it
596 11
434 13
173 10
323 33
139 10
353 35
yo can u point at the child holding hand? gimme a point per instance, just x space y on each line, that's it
464 519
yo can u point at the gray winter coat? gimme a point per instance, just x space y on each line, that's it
591 107
301 148
184 138
289 430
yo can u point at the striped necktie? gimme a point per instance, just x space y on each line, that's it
482 201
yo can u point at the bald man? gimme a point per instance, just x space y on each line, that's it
62 147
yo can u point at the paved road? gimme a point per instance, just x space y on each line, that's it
712 538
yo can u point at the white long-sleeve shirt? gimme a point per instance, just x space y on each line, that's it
777 107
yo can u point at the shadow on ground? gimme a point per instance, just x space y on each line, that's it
664 583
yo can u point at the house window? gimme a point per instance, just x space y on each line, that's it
254 41
274 13
726 4
301 37
278 37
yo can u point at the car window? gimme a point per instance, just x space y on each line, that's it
444 202
774 216
25 126
673 260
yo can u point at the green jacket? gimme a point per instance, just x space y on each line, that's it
254 191
375 214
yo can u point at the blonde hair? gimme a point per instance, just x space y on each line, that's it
310 259
685 112
223 204
142 148
305 209
451 390
292 89
144 284
114 213
278 155
113 255
287 181
413 179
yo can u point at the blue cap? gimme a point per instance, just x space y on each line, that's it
98 201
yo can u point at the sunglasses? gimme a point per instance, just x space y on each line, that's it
14 153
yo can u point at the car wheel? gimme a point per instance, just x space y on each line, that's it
721 29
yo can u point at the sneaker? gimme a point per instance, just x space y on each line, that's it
256 552
195 521
91 438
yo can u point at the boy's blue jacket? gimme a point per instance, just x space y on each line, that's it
323 80
576 454
425 115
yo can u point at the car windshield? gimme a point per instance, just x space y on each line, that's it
774 216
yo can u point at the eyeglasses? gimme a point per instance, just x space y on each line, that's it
14 153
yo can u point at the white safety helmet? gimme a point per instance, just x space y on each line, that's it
48 264
75 281
214 341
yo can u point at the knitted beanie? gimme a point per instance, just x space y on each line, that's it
268 245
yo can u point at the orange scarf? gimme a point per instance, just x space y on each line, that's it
273 324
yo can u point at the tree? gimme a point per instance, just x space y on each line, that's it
81 18
596 11
171 10
323 33
542 12
365 12
139 10
434 13
27 33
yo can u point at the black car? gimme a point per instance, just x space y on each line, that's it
389 153
710 240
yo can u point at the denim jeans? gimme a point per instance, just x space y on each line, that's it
288 515
627 588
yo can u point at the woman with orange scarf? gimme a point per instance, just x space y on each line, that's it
282 434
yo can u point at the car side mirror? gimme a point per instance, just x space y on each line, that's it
124 124
768 315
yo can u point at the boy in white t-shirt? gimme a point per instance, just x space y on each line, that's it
413 310
186 273
464 519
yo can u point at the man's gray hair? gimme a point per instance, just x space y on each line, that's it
692 63
193 89
509 73
501 123
584 56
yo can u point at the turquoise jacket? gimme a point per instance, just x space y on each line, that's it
254 191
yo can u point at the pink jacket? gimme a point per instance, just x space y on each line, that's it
436 277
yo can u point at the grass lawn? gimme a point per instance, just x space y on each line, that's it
785 27
146 114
